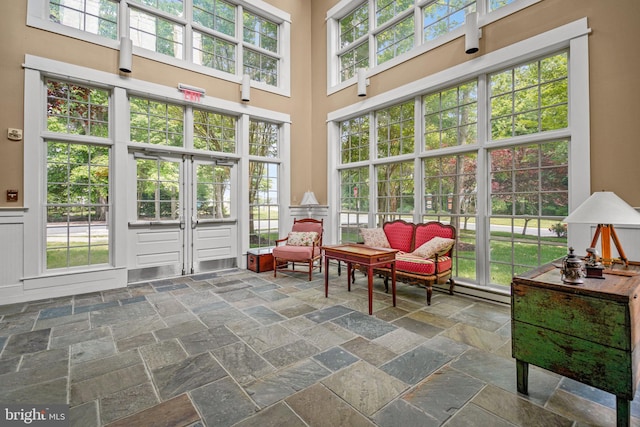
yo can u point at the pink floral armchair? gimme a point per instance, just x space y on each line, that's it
302 245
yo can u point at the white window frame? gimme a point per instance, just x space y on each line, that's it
344 7
37 17
572 36
115 275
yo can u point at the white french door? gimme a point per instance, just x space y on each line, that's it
183 212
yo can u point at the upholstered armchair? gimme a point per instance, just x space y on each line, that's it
302 245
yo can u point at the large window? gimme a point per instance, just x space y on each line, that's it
214 131
264 199
398 29
154 122
156 33
98 17
503 184
76 207
224 38
354 43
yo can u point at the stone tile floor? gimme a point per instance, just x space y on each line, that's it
238 348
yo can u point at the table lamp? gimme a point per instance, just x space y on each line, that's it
309 200
605 208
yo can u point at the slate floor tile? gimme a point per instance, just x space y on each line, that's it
267 338
127 402
517 410
26 342
369 351
364 387
207 340
164 353
276 416
311 403
175 412
244 364
264 315
444 393
290 353
364 324
472 415
401 413
108 383
281 384
335 358
222 403
415 365
186 375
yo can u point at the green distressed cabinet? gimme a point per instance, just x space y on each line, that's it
587 332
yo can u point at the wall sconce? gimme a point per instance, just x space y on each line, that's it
363 82
472 33
245 88
126 53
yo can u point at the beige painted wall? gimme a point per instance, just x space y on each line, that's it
615 150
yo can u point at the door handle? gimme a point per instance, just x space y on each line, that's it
194 222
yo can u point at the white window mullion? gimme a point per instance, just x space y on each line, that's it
484 181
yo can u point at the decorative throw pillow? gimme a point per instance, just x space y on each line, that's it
437 245
302 238
375 237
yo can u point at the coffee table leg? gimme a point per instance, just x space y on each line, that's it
326 276
393 282
349 276
370 283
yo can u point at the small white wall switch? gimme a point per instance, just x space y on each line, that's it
14 134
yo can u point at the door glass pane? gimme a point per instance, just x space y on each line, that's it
213 191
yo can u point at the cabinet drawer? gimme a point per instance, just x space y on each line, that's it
597 320
603 367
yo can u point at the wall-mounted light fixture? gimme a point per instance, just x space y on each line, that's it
363 82
126 53
245 88
472 33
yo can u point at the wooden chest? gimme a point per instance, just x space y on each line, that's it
587 332
260 259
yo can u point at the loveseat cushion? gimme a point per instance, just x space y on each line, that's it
428 230
437 245
416 265
374 237
400 235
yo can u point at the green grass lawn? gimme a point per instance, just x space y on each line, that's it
521 251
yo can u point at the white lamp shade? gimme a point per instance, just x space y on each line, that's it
471 36
309 199
246 88
126 50
604 207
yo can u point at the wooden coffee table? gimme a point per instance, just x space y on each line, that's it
363 256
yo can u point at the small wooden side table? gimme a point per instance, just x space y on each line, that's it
589 332
363 256
260 259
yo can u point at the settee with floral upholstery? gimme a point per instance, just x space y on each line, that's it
424 252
